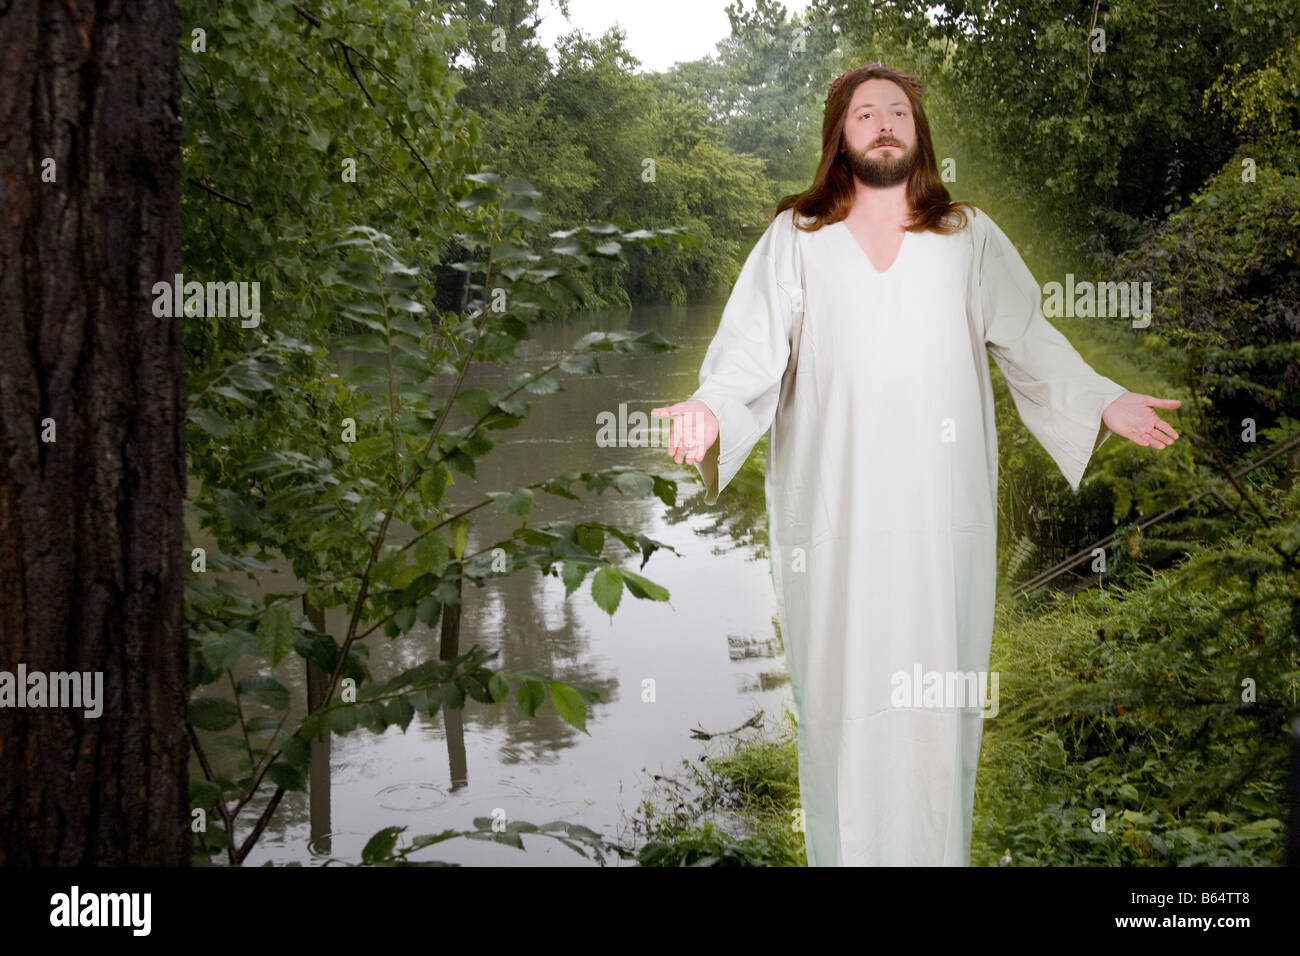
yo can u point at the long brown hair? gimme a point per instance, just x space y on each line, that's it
830 197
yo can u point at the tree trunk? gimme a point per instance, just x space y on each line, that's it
92 429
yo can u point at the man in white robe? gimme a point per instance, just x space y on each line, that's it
862 347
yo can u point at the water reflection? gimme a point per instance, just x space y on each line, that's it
713 652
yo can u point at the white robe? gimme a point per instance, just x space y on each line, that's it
882 503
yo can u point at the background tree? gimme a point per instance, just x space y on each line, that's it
600 139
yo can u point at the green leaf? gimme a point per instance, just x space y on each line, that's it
248 374
221 651
385 568
582 364
210 422
313 726
530 697
406 305
462 462
499 688
380 846
320 650
518 502
665 490
275 634
373 448
234 394
216 836
634 485
560 487
433 483
479 197
372 717
591 539
431 552
544 385
474 402
429 609
318 139
211 713
283 775
509 252
204 794
643 587
231 744
342 719
573 574
607 589
569 704
265 690
399 711
404 576
459 537
297 752
521 187
365 375
523 207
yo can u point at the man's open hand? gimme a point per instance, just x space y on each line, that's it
1133 416
695 429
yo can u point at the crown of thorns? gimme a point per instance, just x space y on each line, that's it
907 78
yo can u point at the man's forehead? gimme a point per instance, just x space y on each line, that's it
863 95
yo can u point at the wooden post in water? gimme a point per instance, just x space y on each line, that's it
450 644
453 719
319 777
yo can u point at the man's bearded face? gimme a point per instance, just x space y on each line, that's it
877 166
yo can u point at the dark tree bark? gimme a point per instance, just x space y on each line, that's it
91 523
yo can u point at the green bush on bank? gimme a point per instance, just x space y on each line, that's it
1163 707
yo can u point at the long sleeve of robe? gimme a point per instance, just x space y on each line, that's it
740 378
881 492
1058 396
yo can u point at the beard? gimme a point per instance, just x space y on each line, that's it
889 170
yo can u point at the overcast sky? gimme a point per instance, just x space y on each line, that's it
659 32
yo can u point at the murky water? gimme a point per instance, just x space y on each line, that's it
713 651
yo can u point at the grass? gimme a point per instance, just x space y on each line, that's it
737 808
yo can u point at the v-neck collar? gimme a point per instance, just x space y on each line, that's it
863 252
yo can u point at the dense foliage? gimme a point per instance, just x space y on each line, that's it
1160 709
599 140
355 158
304 127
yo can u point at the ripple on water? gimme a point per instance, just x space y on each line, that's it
412 796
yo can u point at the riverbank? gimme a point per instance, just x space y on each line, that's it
736 806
